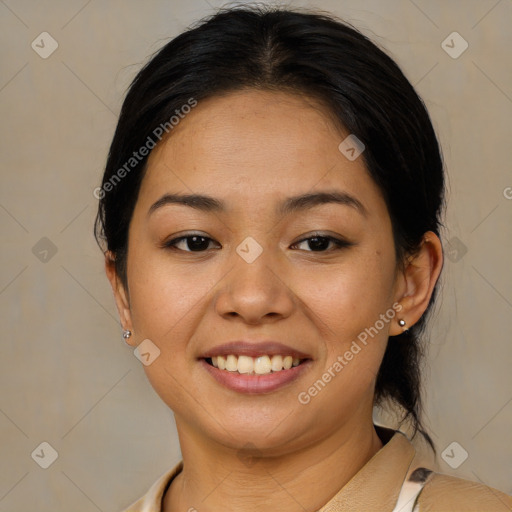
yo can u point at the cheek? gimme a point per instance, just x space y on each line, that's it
163 299
351 297
346 306
166 306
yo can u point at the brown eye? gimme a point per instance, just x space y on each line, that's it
320 243
190 243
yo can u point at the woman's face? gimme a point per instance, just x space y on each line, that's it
264 269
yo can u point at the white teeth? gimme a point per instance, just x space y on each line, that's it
245 364
277 363
262 365
231 363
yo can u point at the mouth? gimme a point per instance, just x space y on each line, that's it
255 367
261 365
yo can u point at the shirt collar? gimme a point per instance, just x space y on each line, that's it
377 484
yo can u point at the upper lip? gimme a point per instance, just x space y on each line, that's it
254 349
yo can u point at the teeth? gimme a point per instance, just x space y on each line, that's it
245 364
262 365
231 363
277 363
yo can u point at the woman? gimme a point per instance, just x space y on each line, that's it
270 211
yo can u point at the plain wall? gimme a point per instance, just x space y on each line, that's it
67 377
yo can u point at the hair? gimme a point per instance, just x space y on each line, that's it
318 56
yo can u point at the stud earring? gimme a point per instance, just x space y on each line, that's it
126 334
401 322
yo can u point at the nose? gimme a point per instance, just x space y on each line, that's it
255 292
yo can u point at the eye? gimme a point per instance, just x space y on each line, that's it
321 243
189 243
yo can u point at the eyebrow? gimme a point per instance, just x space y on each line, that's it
307 201
292 204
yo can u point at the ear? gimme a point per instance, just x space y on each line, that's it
120 294
416 284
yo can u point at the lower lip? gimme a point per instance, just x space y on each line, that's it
254 384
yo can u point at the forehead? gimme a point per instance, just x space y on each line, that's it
257 144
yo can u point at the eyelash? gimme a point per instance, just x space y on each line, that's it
338 242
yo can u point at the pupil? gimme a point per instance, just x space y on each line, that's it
197 243
318 243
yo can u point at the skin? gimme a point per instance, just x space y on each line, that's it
253 149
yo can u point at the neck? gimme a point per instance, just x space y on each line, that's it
216 479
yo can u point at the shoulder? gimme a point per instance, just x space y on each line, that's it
444 493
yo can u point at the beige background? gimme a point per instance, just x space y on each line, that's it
67 377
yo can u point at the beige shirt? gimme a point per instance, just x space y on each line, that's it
391 481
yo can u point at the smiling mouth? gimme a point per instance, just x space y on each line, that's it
262 365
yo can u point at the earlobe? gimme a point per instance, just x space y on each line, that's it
419 279
120 295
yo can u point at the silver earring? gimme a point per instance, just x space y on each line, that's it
126 334
401 322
